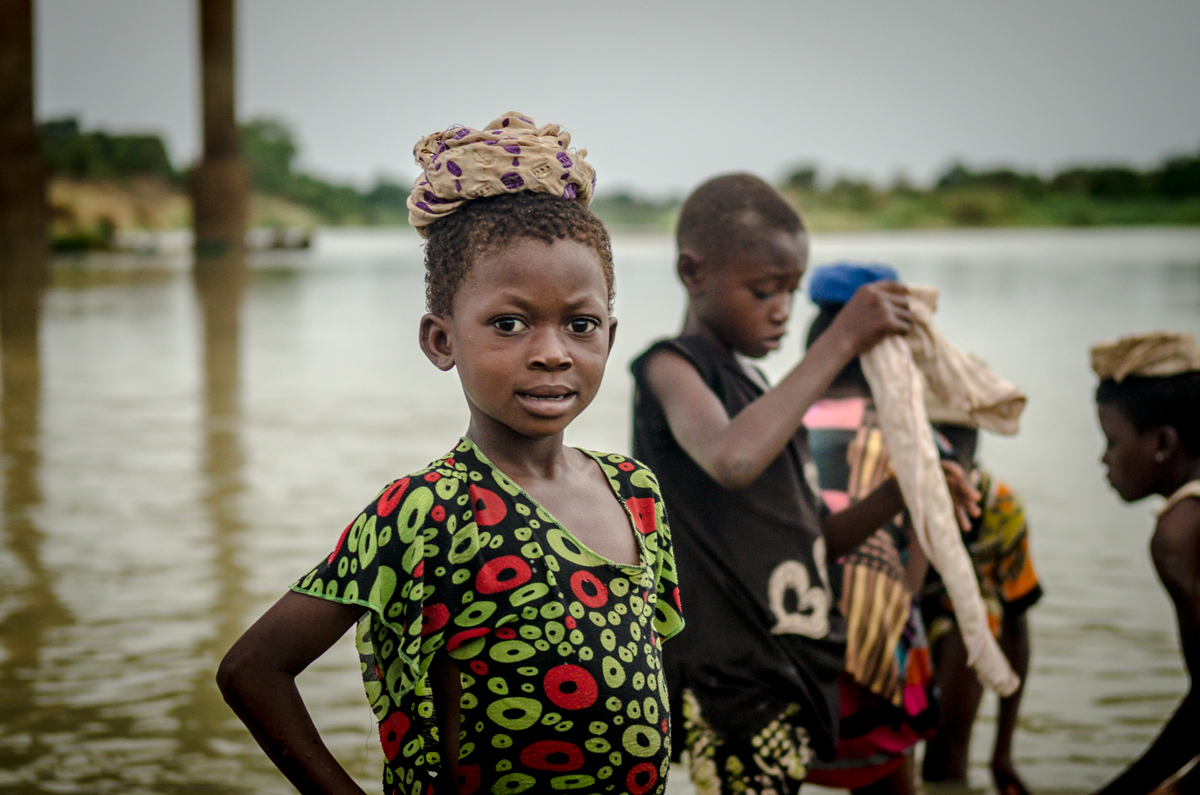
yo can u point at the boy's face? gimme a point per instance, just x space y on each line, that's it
1128 454
530 335
745 298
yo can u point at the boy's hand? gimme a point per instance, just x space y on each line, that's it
875 311
965 496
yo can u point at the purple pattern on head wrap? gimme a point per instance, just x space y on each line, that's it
516 161
424 207
458 186
512 180
442 148
437 167
454 168
463 133
564 159
569 191
504 123
512 149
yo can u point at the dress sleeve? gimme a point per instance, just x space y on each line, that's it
1016 581
381 562
668 613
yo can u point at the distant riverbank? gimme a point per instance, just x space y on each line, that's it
97 214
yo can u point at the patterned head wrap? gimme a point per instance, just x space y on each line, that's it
1160 353
509 155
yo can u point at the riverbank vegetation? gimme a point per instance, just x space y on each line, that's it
102 184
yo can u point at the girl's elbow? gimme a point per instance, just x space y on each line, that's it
232 674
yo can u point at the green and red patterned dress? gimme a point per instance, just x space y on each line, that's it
558 648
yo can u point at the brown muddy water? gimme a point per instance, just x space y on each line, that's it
162 486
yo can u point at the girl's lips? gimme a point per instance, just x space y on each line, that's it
546 403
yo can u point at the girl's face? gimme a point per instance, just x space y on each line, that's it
1128 454
530 334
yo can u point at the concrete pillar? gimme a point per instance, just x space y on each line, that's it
23 214
220 183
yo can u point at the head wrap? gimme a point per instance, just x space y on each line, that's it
834 285
509 155
1160 353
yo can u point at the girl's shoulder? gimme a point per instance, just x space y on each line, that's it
1175 546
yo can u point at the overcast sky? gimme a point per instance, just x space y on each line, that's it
662 94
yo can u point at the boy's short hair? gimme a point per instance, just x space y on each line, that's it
730 212
484 225
1154 401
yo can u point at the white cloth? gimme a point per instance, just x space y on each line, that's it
1189 489
893 369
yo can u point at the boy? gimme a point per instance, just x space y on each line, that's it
1148 403
755 681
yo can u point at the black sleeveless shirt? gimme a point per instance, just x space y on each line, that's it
763 629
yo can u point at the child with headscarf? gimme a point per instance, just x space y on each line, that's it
512 597
1148 402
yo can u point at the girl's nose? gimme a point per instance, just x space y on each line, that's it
548 351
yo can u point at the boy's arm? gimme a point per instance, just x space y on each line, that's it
734 452
1175 550
257 678
1014 642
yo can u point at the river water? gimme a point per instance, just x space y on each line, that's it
164 484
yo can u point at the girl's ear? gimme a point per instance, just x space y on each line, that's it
691 269
1167 443
436 342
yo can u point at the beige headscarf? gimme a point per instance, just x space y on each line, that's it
1159 353
509 155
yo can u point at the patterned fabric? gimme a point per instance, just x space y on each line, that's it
998 543
772 761
887 686
559 649
509 155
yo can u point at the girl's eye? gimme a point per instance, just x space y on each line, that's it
582 325
509 324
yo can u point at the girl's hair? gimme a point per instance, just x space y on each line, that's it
487 224
852 374
1152 402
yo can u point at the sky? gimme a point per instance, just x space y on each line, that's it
661 93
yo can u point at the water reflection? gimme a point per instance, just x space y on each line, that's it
181 451
31 607
220 289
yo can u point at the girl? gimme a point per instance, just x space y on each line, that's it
507 596
1149 406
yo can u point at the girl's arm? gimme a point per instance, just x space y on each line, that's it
734 452
257 678
845 530
1175 550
